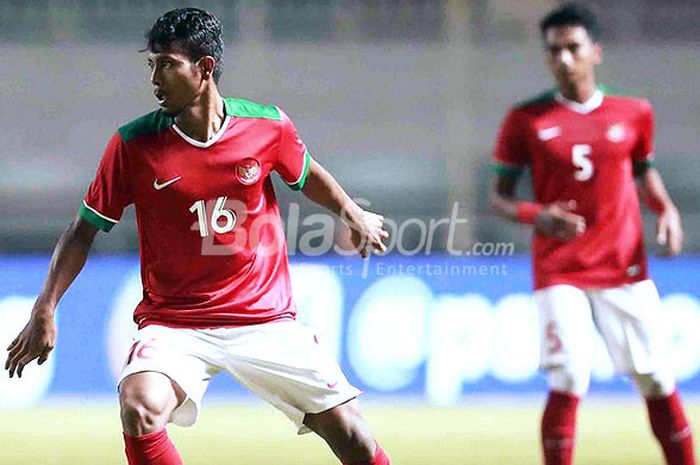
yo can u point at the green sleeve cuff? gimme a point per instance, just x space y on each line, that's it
639 167
96 219
299 184
510 171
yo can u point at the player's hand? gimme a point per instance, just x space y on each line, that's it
367 233
36 340
669 231
558 220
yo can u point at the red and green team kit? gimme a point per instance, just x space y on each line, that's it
586 153
206 260
212 247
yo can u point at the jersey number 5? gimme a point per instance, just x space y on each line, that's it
219 214
584 165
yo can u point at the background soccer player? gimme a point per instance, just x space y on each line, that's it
586 148
216 289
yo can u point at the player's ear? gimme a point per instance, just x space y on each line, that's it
597 53
206 66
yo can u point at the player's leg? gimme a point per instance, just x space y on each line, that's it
628 320
347 434
163 380
284 364
667 417
567 335
146 400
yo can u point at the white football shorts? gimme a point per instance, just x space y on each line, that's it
282 362
626 318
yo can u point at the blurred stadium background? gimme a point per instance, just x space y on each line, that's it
401 100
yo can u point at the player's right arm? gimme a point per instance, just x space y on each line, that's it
510 158
108 195
555 219
38 337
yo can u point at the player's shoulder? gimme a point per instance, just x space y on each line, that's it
625 99
242 108
145 125
540 100
531 107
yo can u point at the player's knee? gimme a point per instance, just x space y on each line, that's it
655 384
345 430
569 379
143 412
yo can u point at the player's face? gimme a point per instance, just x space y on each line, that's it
176 79
571 54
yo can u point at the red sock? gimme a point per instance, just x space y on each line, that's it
559 428
671 428
151 449
380 458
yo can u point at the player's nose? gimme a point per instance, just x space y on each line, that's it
566 58
155 76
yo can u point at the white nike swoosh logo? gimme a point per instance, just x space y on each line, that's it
158 187
549 133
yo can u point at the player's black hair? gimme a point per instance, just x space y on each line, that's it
572 14
196 32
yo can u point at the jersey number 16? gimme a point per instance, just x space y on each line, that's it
219 214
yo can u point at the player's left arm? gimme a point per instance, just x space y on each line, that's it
669 230
367 228
301 172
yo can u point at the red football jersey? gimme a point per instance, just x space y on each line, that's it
587 153
212 247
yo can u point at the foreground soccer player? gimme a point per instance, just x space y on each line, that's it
216 289
586 147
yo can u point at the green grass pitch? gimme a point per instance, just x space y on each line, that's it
492 433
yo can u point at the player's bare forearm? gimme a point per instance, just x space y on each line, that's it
669 230
503 200
653 191
367 228
556 219
37 339
68 259
323 189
